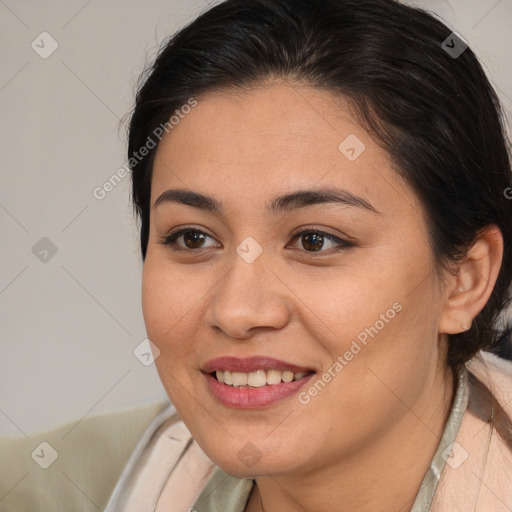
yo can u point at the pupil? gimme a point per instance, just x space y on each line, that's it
311 239
193 237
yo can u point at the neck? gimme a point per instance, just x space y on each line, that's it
368 480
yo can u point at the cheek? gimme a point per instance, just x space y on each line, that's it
173 309
155 303
356 304
379 322
165 308
391 353
162 311
168 300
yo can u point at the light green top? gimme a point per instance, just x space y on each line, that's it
224 492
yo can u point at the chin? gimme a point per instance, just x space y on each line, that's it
249 462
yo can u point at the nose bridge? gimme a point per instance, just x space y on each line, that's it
246 297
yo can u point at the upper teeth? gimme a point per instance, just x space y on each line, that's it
258 378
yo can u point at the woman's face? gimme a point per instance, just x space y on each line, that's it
355 301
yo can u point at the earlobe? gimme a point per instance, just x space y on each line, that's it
471 286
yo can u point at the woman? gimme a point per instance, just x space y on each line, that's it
326 238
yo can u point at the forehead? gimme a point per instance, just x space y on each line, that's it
266 140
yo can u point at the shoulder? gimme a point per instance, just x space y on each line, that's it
478 468
496 373
74 466
166 466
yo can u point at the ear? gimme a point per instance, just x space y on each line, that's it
469 289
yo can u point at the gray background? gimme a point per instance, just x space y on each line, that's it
70 321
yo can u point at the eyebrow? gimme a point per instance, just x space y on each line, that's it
280 204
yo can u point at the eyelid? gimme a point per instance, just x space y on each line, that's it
313 228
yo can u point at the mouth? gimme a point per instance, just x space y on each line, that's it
253 382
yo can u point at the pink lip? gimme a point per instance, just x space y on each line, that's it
251 364
252 398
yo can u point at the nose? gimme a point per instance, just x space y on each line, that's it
248 298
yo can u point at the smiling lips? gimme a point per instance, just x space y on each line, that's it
253 382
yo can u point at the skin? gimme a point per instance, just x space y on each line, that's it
383 414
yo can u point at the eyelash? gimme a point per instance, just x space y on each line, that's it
170 240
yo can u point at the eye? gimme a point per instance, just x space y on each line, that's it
313 240
192 238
